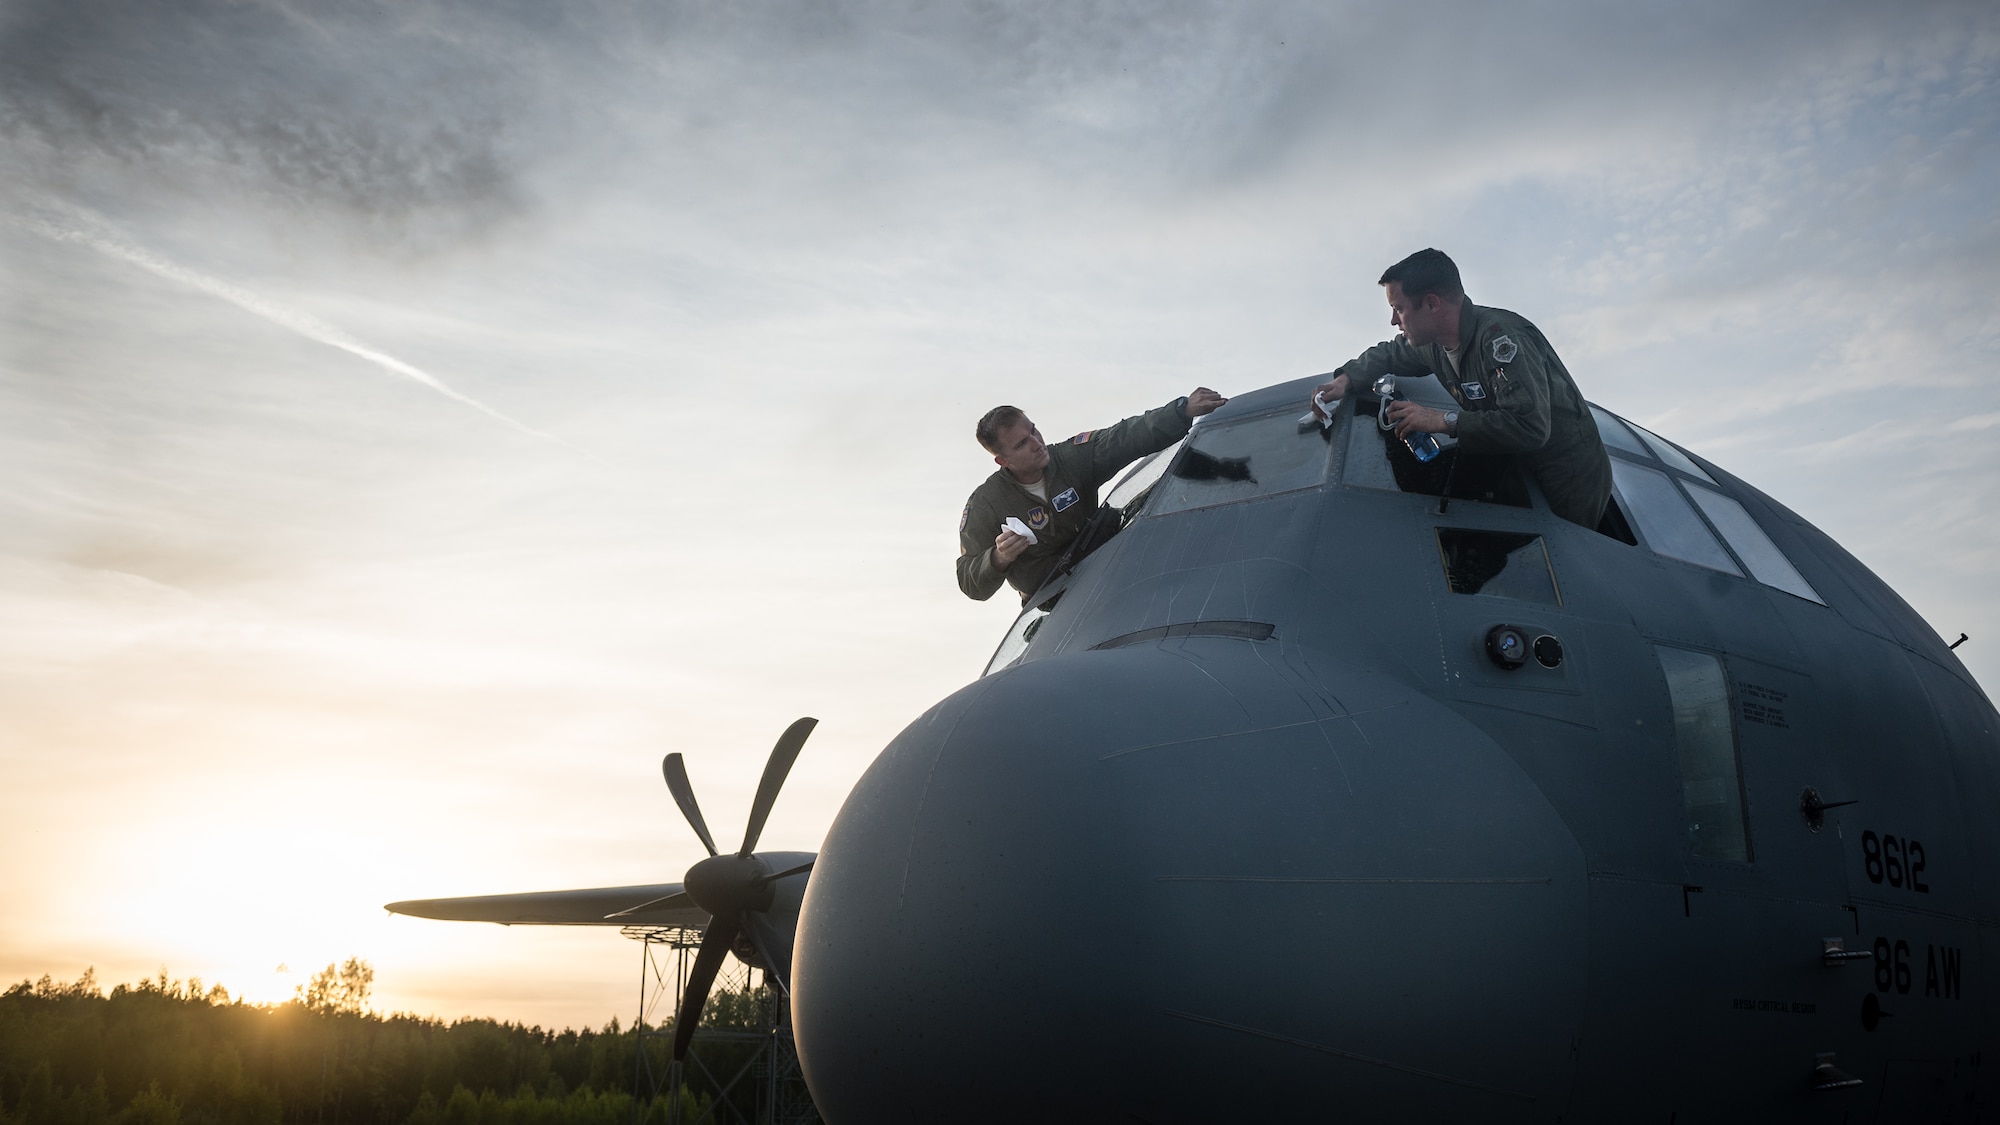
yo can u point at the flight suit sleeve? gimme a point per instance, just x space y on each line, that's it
1115 446
1390 357
978 526
1516 373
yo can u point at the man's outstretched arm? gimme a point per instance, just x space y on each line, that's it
1390 357
1118 445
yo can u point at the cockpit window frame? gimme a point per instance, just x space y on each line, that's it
1694 485
1742 534
1148 469
1666 520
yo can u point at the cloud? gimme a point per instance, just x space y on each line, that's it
347 114
291 319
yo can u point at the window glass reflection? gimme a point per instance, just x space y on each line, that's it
1768 564
1141 476
1666 520
1498 564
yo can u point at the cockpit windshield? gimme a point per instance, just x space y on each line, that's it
1236 460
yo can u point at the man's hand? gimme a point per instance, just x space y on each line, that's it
1410 418
1007 547
1331 390
1201 401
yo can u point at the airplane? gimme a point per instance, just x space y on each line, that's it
745 903
1329 783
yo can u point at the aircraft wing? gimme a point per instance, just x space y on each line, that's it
565 908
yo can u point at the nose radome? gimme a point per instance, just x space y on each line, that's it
1162 884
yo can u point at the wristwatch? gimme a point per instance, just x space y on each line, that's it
1451 423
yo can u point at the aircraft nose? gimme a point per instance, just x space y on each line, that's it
1173 884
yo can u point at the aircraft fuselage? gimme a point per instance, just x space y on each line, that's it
1257 826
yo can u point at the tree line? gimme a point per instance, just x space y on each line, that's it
173 1052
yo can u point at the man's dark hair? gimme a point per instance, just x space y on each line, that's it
996 419
1426 272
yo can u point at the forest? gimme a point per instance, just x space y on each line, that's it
173 1052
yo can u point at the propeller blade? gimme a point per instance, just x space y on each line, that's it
715 943
782 756
787 873
677 899
677 784
766 941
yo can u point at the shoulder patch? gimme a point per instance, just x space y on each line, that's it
1082 438
1504 350
965 516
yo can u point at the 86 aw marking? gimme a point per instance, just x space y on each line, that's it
1944 965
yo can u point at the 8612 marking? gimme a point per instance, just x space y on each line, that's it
1895 860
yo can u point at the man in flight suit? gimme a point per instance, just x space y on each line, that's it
1051 489
1513 392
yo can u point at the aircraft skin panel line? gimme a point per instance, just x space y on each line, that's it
1208 738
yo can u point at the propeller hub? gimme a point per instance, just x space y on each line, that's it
728 885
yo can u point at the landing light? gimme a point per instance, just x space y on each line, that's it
1507 645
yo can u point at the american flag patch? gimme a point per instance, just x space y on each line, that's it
1082 438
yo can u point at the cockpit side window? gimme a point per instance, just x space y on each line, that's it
1614 433
1666 520
1498 564
1766 562
1618 434
1649 476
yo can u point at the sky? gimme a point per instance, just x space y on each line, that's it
418 418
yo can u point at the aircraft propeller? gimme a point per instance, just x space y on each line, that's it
735 889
